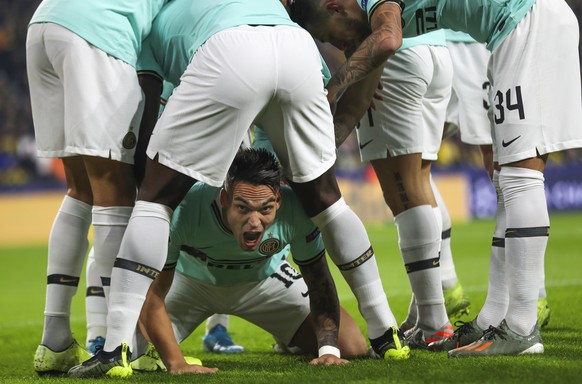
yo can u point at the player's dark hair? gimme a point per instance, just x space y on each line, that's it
304 12
256 167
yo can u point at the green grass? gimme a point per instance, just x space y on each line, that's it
22 286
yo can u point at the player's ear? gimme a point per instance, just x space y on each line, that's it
223 197
333 6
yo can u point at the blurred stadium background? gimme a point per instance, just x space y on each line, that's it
31 189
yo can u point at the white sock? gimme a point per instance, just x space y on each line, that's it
448 273
412 315
95 304
145 244
495 307
216 319
348 246
526 238
109 224
67 247
419 238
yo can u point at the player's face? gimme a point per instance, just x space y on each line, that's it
249 210
344 30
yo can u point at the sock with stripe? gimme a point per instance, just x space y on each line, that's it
95 304
448 272
526 238
66 253
419 238
495 307
347 244
109 224
141 256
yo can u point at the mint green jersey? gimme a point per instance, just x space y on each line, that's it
205 249
458 37
183 25
117 27
435 38
487 21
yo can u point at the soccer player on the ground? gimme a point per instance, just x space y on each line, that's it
528 97
248 63
85 98
400 138
228 253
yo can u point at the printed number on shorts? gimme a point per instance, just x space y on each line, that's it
487 89
502 104
288 275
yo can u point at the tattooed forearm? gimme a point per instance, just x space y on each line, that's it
385 39
323 301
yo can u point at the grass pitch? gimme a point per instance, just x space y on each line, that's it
22 287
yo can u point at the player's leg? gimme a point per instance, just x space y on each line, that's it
526 129
217 339
95 307
495 307
392 138
68 238
457 302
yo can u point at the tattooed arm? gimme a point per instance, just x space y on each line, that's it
325 308
385 39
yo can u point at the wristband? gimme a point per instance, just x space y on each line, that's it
329 350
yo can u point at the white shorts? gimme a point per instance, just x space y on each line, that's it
470 98
270 76
410 118
84 102
278 304
535 85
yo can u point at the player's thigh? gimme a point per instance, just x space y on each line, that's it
102 97
279 304
471 92
298 119
188 304
46 95
536 108
435 100
395 127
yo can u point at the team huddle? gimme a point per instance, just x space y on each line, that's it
149 104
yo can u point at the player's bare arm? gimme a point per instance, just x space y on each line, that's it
157 324
385 39
325 308
353 104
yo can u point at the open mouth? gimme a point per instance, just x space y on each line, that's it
251 238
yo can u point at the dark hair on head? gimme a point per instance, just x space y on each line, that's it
304 12
256 167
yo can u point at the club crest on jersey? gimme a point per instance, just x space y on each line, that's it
270 246
129 141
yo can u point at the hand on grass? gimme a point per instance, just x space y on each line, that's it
328 360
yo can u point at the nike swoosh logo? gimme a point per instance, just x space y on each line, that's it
506 144
64 280
366 143
305 294
95 291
